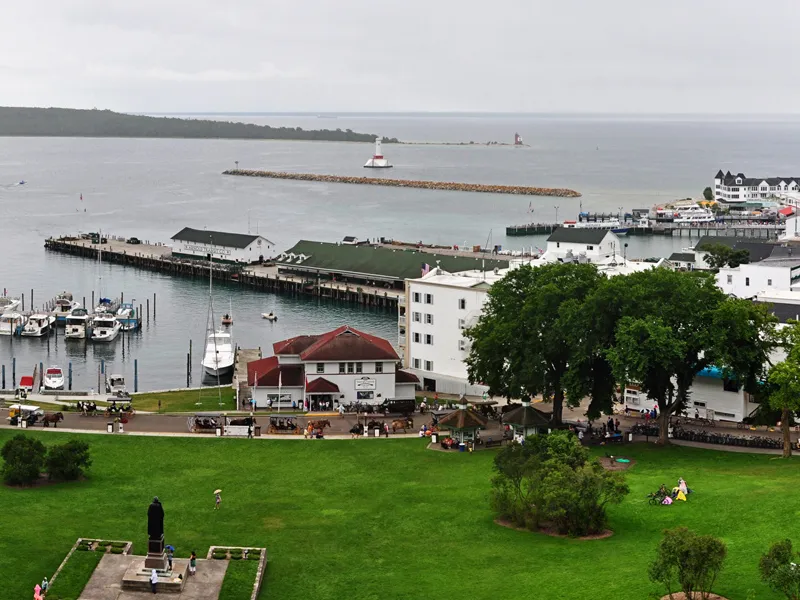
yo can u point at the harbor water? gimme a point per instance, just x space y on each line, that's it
152 188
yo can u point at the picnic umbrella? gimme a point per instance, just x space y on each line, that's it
171 548
217 491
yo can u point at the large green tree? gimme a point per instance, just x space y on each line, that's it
784 384
525 341
719 256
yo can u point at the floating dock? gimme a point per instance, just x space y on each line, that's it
521 190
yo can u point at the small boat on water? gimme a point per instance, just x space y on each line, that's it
612 224
115 384
227 319
38 325
127 317
76 326
64 306
105 328
269 316
11 323
8 304
53 378
106 305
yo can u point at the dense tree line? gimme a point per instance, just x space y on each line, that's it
567 332
67 122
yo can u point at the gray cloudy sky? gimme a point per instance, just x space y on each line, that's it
403 55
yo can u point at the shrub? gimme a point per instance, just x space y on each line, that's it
68 462
236 557
24 458
693 561
115 550
548 480
118 544
779 569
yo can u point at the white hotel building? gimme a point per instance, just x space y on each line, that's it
733 189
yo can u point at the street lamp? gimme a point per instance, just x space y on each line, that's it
236 162
556 207
619 215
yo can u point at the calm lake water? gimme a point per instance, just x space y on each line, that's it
153 188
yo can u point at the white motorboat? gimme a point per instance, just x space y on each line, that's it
53 378
378 160
105 328
107 305
115 384
77 324
127 317
8 304
218 359
269 316
64 305
38 325
11 323
613 225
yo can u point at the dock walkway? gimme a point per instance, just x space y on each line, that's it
727 229
240 383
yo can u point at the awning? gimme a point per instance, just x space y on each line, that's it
321 385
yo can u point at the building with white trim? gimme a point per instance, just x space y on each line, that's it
223 246
736 189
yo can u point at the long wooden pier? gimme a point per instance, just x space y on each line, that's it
265 277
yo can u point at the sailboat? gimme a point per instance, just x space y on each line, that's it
218 358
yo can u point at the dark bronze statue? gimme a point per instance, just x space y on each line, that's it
155 520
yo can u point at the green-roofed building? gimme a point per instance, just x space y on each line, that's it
374 265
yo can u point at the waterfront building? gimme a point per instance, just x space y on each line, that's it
342 366
221 245
737 189
582 245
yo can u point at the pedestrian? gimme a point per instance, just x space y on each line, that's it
646 417
153 580
170 554
249 431
696 414
616 425
386 429
627 410
45 585
217 501
193 563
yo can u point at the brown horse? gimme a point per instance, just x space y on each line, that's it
53 418
322 424
402 424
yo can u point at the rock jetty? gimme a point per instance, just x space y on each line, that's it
521 190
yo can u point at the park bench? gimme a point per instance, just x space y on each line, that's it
490 443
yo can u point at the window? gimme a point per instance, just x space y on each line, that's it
429 318
359 367
379 367
365 395
320 367
590 247
558 244
747 281
462 345
769 282
461 323
428 298
429 339
462 303
417 338
341 368
350 367
285 400
415 362
700 404
417 317
730 279
429 365
416 297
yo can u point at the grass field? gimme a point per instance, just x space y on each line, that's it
73 577
185 401
372 519
239 579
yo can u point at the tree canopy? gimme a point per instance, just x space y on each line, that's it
67 122
719 256
784 384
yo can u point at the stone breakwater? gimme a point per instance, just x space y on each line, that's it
521 190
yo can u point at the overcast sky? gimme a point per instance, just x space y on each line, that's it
718 56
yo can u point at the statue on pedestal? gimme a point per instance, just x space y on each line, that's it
155 520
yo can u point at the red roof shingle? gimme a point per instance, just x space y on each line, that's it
294 345
401 376
346 343
267 370
321 386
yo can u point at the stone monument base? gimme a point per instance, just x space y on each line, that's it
137 576
156 557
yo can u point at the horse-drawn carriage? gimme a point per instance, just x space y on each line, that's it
283 424
24 415
123 411
205 422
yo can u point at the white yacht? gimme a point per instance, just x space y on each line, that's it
53 378
612 225
64 306
107 305
38 325
11 323
693 214
218 359
8 304
105 328
77 324
115 384
127 317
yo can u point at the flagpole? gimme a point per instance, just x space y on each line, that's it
279 388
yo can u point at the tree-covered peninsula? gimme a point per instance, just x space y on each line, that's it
68 122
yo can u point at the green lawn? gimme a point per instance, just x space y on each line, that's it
186 400
74 576
369 519
239 580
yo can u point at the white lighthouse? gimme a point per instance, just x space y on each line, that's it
377 161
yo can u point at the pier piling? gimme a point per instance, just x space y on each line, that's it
4 377
148 310
14 372
31 298
102 366
23 302
93 304
188 370
154 306
84 302
69 376
135 375
41 375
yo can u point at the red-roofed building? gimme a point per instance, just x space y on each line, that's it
322 371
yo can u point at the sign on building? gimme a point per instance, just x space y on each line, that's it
365 383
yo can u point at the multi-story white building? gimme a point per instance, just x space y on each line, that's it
750 280
734 189
339 367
